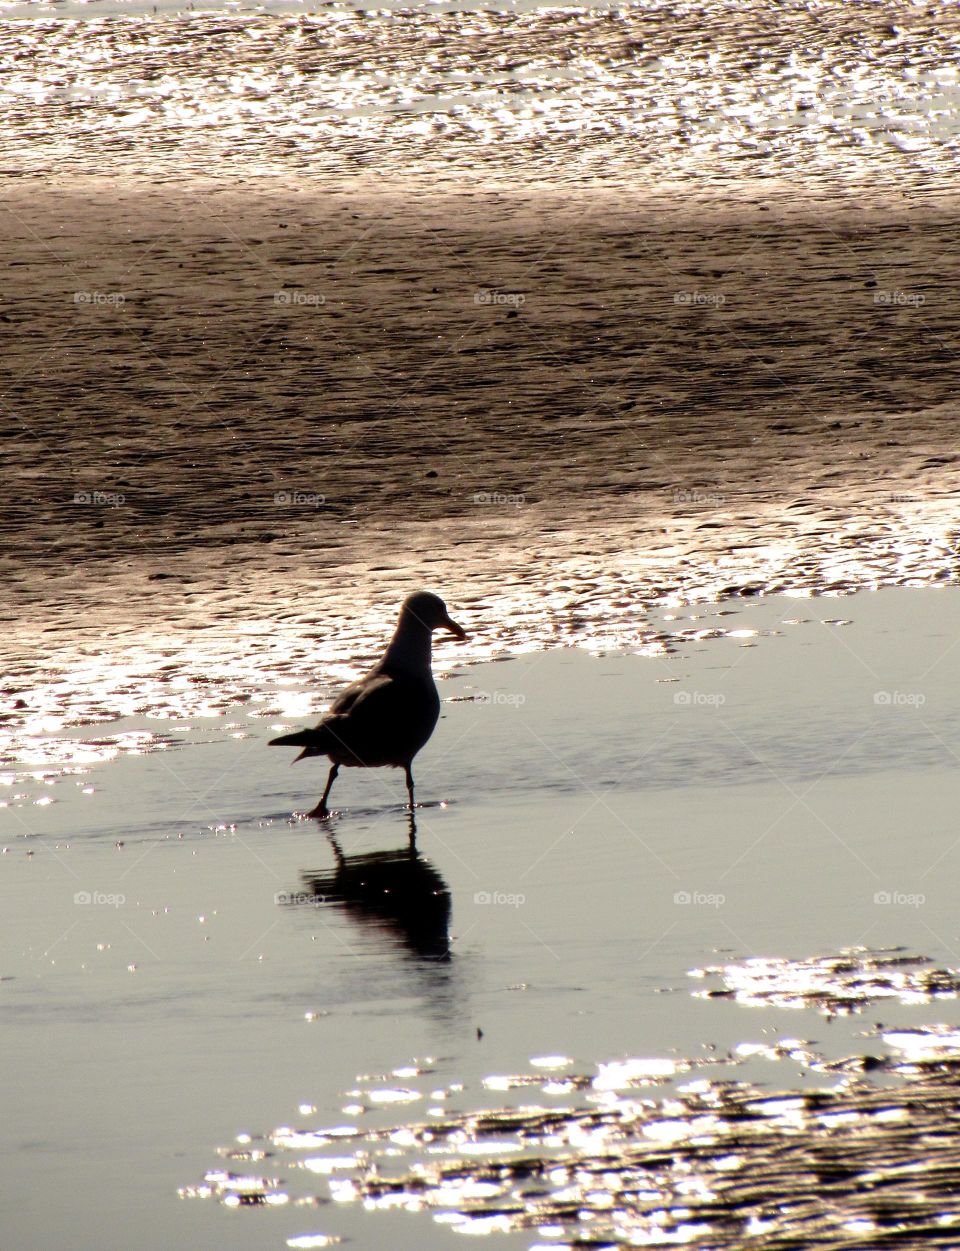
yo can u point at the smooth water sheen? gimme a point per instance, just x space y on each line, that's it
668 917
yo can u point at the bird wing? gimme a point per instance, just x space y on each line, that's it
383 718
368 696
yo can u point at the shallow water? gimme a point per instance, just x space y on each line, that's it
619 839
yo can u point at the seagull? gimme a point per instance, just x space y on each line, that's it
385 717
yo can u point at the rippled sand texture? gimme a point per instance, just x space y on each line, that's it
726 91
212 488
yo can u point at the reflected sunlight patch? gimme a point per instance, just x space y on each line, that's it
717 1162
833 984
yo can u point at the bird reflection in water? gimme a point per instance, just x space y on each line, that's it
397 892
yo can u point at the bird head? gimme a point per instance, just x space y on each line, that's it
430 611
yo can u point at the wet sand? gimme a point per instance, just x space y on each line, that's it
561 313
201 460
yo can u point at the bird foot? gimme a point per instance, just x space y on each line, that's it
321 812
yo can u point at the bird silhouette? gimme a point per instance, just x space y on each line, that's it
384 718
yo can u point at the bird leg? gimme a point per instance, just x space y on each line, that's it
321 809
409 772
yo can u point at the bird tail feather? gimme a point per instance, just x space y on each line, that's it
314 742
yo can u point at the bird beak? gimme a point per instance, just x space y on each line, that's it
458 631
